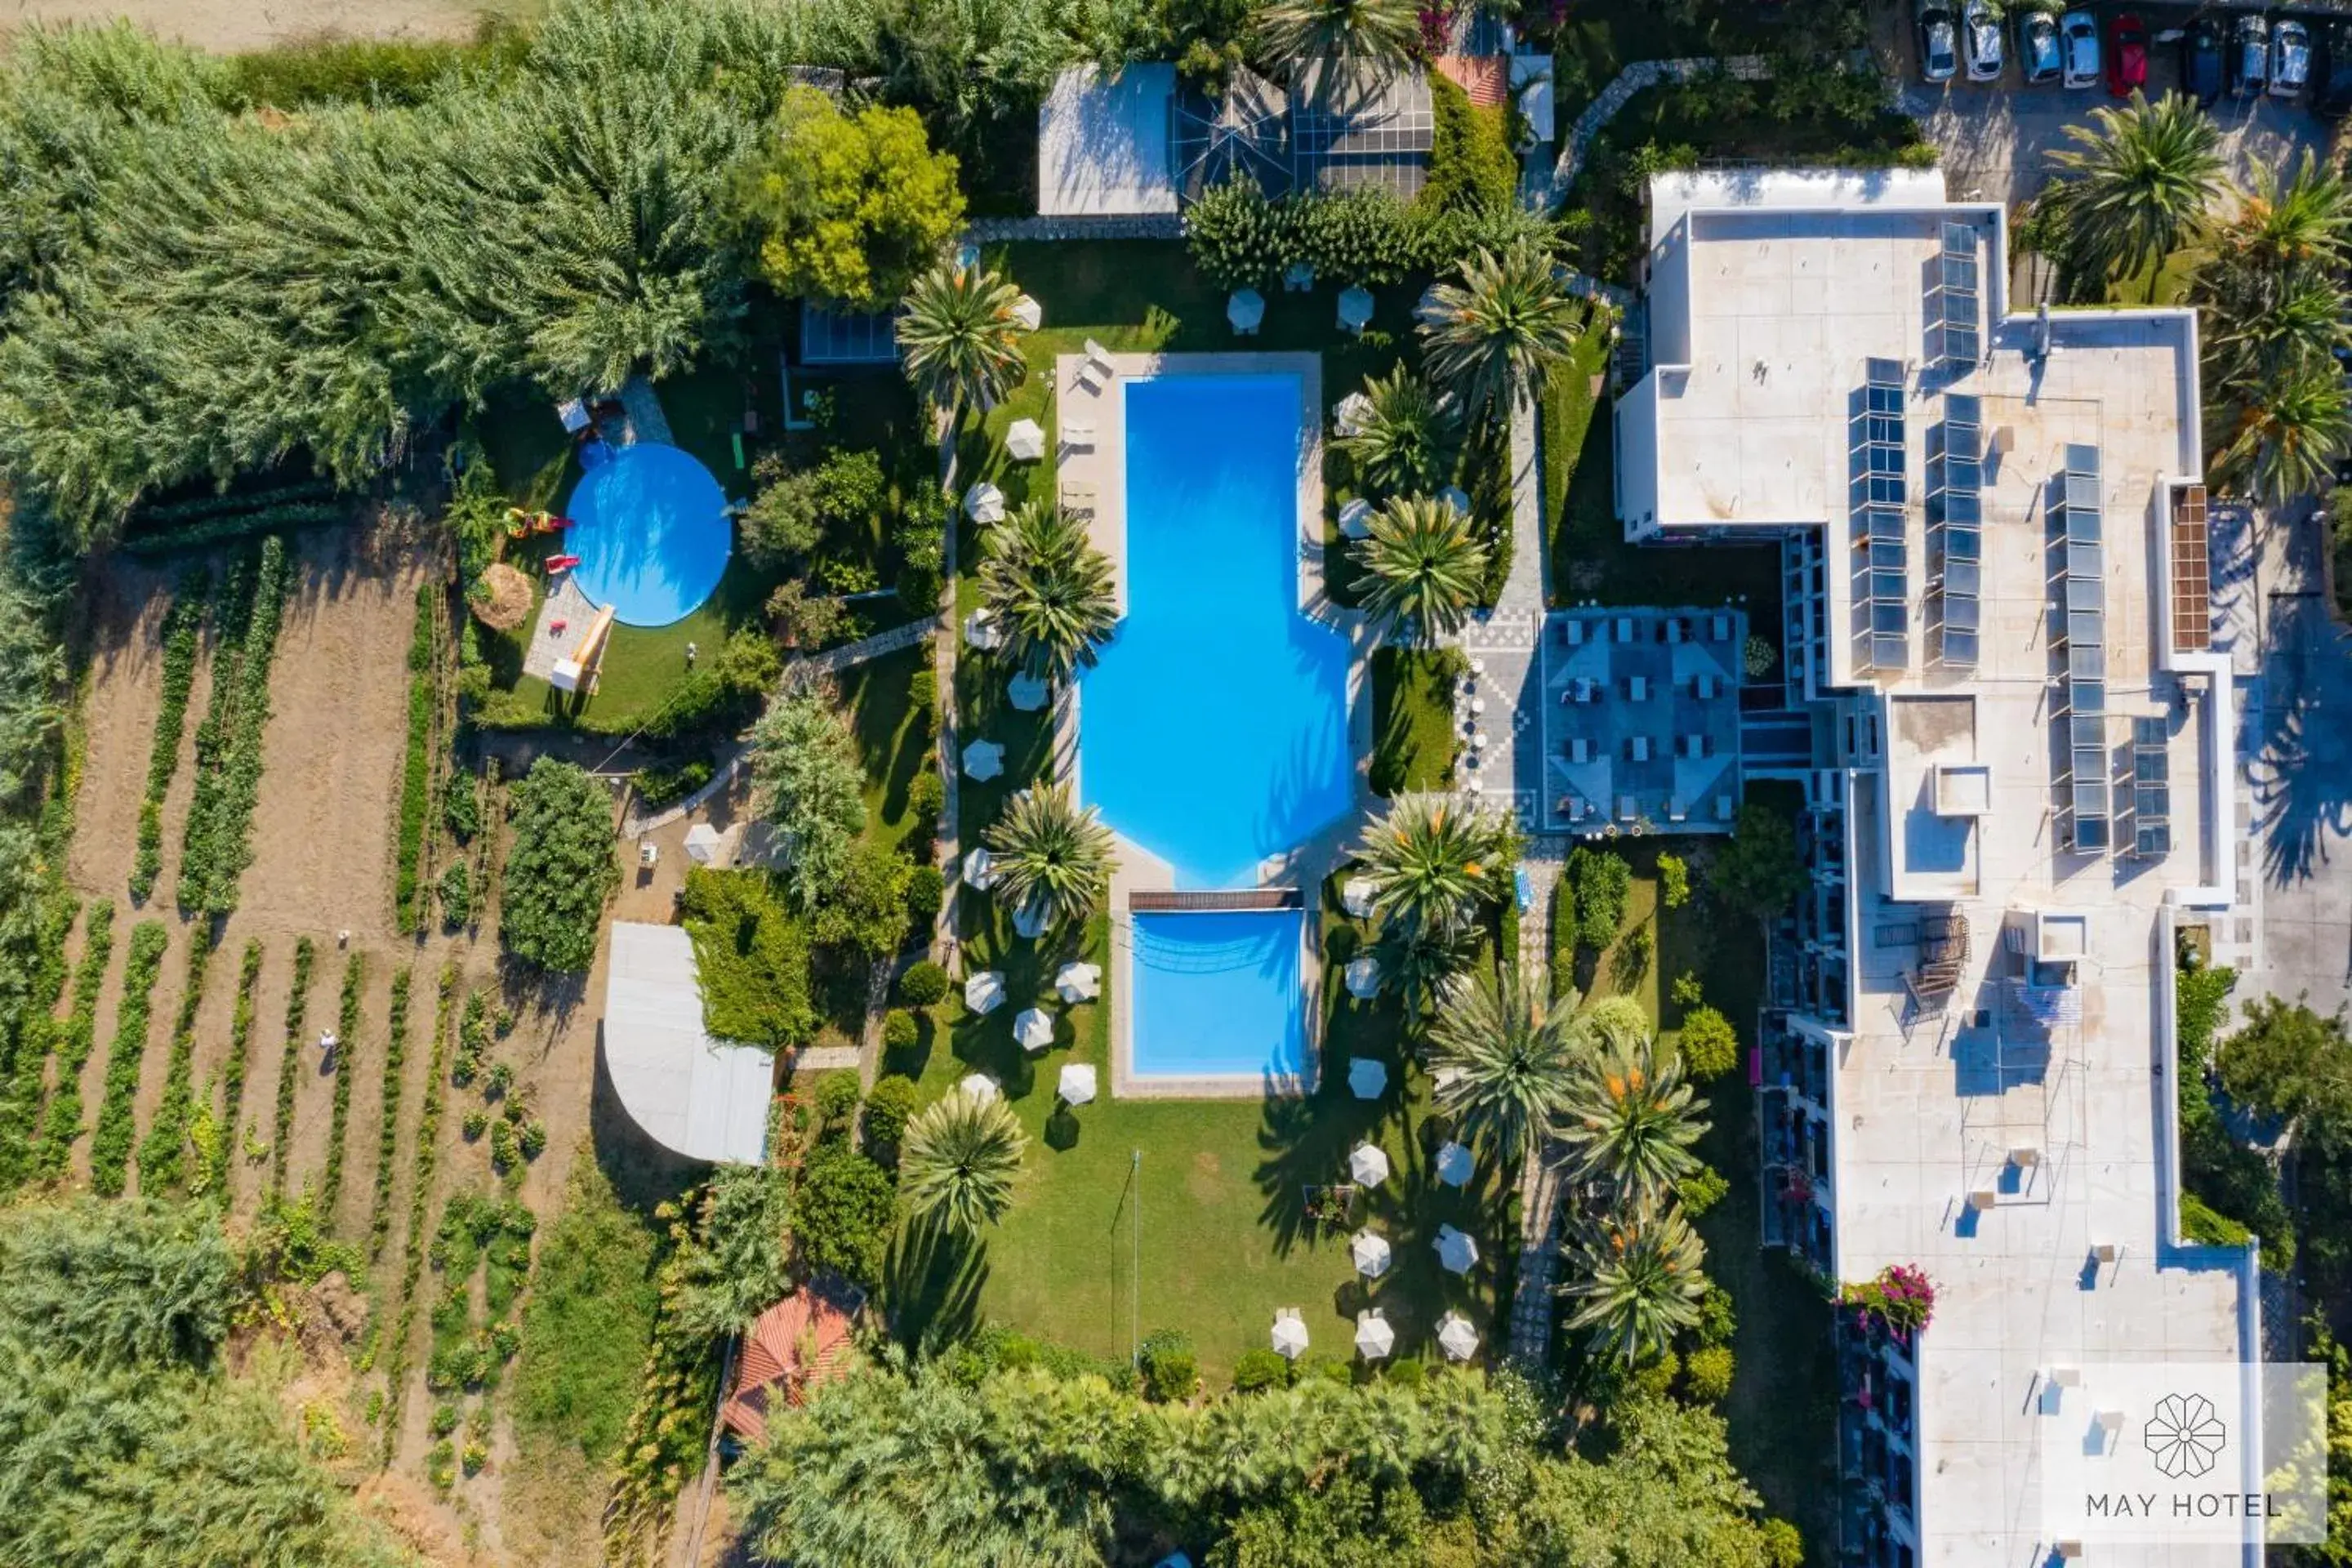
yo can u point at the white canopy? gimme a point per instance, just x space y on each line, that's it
1027 692
1374 1338
983 759
1456 1252
703 1098
1457 1338
1454 1165
1363 977
1356 518
1029 920
1024 442
1034 1030
1245 310
1455 499
1369 1165
1356 896
1077 1083
984 504
702 844
1289 1333
1078 981
1372 1253
1355 307
979 868
1368 1076
985 993
1347 418
1027 313
981 630
979 1086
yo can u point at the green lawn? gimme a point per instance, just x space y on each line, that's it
1413 718
891 743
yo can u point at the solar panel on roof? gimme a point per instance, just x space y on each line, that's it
2151 788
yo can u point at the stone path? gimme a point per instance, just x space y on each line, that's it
1531 1302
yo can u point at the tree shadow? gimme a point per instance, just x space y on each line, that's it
935 1276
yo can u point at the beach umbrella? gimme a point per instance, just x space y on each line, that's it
1079 981
1355 308
1034 1030
1457 1338
702 844
1454 1165
1356 897
979 1086
1355 519
1029 920
1245 310
1456 1252
1372 1253
985 993
1363 977
1374 1338
983 760
1369 1165
1347 418
1455 499
979 868
1289 1334
984 504
1077 1083
981 630
1368 1076
1025 441
1028 313
1027 692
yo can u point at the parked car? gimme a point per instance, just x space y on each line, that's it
1939 48
2037 46
1980 40
2078 48
2289 57
2201 47
2331 74
2127 53
2250 55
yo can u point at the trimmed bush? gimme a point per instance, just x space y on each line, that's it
1706 1374
927 888
1710 1046
927 796
666 783
925 984
1602 885
1260 1369
110 1147
836 1103
1171 1373
899 1032
416 769
888 1106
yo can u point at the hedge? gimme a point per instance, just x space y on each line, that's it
163 1153
240 1038
218 840
62 1124
289 1064
416 778
218 530
182 632
110 1149
412 1267
346 1049
395 1050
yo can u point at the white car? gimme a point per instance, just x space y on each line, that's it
1981 41
2078 49
1939 52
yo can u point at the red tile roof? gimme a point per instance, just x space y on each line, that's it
1486 78
771 1354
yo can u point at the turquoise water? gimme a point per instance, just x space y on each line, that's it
1215 730
1217 993
650 527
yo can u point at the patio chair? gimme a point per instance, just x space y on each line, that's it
1078 495
1078 432
1096 374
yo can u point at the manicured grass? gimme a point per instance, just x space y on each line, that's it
1413 718
893 743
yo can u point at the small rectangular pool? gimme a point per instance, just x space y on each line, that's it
1217 994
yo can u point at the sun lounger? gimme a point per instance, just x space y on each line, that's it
1078 432
1078 495
1096 374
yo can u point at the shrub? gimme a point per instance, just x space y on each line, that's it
183 627
1655 1379
457 895
1361 237
416 772
1470 159
347 1044
1784 1547
847 1205
1710 1046
804 621
926 795
1758 872
1716 1319
1759 657
444 1419
1674 881
476 1122
506 1152
925 984
921 538
1171 1373
215 846
1702 1190
1260 1369
1707 1374
110 1147
1406 1373
1602 884
461 806
898 1030
888 1106
562 869
1238 239
866 907
752 954
923 695
836 1103
531 1138
666 783
1687 992
395 1054
927 888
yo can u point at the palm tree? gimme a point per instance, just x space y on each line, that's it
1405 441
2288 435
2138 186
2270 323
1643 1274
2278 226
960 340
1629 1118
959 1160
1050 854
1506 1063
1049 587
1381 33
1426 568
1416 962
1430 859
1492 337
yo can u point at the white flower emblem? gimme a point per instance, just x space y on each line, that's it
2185 1435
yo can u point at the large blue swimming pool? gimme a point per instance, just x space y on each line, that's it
1217 995
650 527
1215 730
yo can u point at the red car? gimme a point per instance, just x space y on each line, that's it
2127 53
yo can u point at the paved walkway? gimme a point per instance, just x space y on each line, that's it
1531 1302
569 606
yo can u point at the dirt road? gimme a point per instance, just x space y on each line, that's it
234 26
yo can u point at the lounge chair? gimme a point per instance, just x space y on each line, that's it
1096 374
1078 432
1078 495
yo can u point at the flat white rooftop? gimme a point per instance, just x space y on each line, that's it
1102 146
693 1095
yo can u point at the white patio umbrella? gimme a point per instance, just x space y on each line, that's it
1034 1030
1029 920
1369 1165
1347 418
984 504
1078 1087
1368 1076
1454 1165
702 844
1289 1333
1455 499
1374 1338
1027 692
1355 519
1355 308
1245 310
1299 276
1028 313
985 993
1363 977
1356 896
1457 1338
1457 1253
979 1086
981 631
979 868
983 759
1372 1253
1025 441
1079 981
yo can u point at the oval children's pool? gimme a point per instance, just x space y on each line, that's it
650 527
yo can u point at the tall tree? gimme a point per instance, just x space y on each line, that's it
1630 1118
1431 860
2135 184
807 782
1493 335
959 339
1049 587
959 1159
1051 855
1637 1278
1505 1062
1380 35
2287 435
562 869
1406 437
1426 567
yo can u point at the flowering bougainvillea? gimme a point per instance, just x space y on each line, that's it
1902 1298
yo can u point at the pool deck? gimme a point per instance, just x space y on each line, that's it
1103 465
